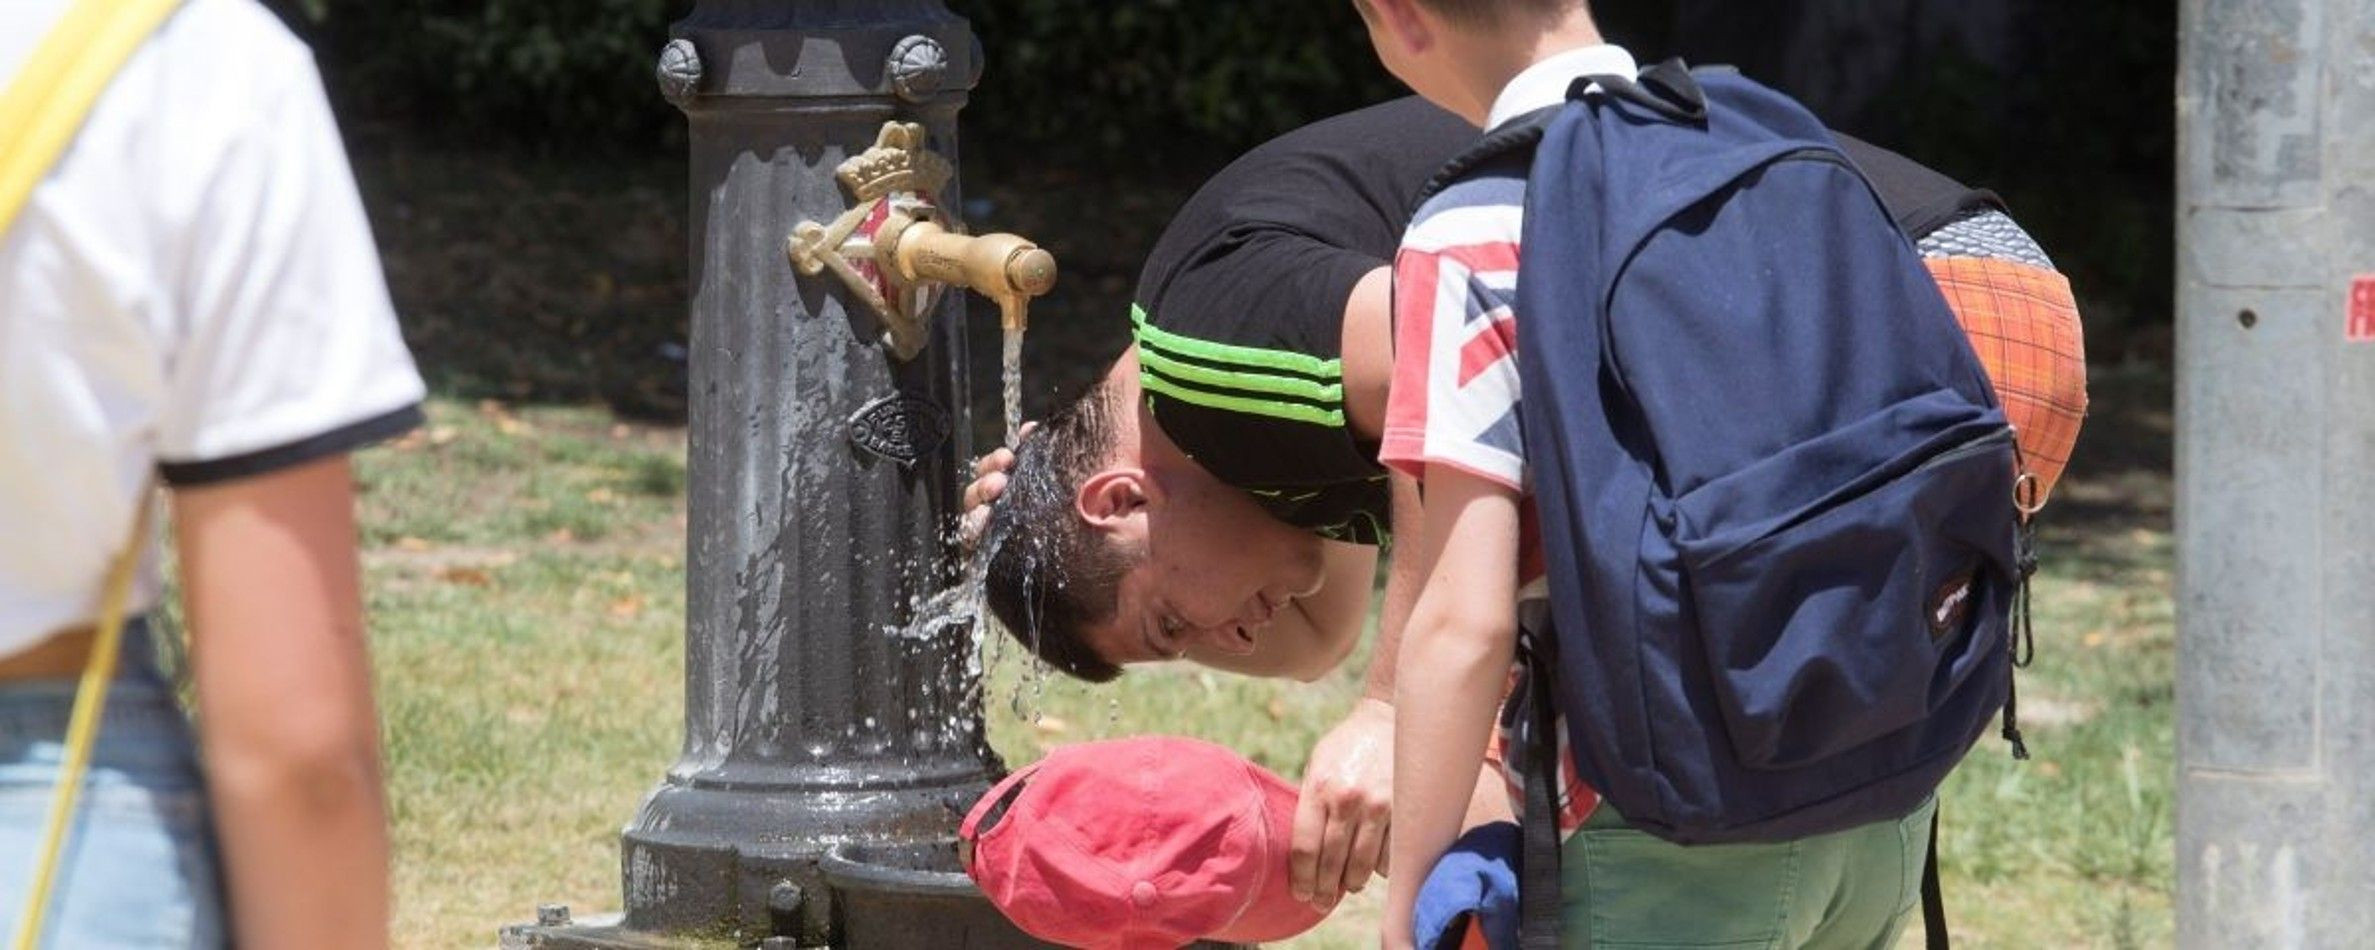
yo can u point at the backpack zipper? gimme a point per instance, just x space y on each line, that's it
2001 436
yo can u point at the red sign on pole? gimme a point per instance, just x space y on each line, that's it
2362 310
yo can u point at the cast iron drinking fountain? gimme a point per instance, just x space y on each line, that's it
833 729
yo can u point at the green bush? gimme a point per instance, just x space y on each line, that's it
552 73
1138 81
2078 135
1092 80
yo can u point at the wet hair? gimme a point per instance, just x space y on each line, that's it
1051 575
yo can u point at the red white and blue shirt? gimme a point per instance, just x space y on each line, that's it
1455 388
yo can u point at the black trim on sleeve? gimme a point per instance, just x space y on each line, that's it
346 438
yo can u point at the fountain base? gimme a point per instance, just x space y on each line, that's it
914 895
882 895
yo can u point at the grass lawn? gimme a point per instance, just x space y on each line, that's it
526 579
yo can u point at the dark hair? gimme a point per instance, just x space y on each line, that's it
1051 575
1497 12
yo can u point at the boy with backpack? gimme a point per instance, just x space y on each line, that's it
1750 533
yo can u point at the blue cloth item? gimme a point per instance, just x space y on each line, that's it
1775 485
1475 883
139 867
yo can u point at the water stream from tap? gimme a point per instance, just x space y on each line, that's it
1011 371
966 602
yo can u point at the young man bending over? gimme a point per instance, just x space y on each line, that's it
1216 496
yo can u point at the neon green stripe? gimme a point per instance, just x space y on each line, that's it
1251 356
1249 383
1292 412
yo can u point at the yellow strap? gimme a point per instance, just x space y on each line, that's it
83 728
42 110
44 107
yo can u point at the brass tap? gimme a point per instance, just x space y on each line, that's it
912 251
1003 267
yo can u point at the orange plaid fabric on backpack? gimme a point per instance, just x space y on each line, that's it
2017 309
2023 322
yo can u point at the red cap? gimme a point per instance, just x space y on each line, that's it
1140 843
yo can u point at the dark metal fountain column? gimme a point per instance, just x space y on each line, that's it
824 470
809 718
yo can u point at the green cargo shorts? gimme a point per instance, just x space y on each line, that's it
1848 889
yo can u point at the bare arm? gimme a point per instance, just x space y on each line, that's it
1342 823
1368 347
291 736
1401 587
1455 666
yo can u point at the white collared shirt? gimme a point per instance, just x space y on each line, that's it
1545 83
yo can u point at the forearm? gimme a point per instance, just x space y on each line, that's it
1490 801
1401 588
1453 668
286 715
305 844
1452 678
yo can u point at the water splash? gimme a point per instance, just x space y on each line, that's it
961 610
1035 672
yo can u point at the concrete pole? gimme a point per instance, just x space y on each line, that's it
2276 473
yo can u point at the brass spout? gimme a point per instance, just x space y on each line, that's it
895 227
1003 267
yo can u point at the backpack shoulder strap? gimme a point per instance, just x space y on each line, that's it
44 106
1539 923
1517 136
1920 198
1667 90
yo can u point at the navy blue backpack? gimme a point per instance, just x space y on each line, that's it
1774 483
1775 487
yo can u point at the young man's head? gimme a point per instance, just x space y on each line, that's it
1109 547
1459 53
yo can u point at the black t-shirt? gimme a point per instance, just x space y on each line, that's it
1240 310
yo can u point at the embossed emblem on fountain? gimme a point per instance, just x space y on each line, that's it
900 427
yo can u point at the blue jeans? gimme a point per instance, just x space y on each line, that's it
138 867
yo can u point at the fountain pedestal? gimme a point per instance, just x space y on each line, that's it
821 709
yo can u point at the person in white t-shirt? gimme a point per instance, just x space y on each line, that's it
193 293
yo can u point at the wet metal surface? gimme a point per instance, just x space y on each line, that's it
808 721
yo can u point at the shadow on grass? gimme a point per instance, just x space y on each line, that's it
2120 468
